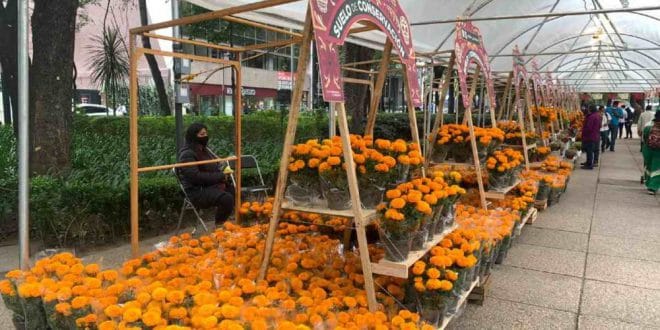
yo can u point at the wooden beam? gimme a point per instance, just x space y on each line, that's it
440 113
261 25
505 97
188 56
218 14
195 42
378 88
356 81
289 138
238 111
361 63
473 140
357 70
273 44
179 165
367 26
358 217
134 149
412 116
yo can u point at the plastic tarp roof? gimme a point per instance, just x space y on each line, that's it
608 63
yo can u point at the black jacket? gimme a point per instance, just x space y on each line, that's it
197 177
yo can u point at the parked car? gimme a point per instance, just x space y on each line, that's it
95 110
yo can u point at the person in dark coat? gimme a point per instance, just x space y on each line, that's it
206 185
591 136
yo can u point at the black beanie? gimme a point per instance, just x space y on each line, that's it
191 132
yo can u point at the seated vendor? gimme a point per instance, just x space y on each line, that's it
206 185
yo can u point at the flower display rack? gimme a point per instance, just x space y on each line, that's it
541 205
501 194
530 217
478 294
400 269
461 301
330 74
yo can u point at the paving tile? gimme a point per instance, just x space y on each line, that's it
502 314
620 270
5 317
536 288
587 322
622 302
575 221
614 228
624 247
634 194
550 260
553 238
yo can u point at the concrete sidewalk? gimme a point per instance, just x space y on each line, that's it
589 262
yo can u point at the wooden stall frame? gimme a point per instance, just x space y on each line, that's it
361 218
136 52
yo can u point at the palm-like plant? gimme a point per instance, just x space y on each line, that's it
109 62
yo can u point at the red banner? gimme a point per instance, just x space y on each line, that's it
519 75
332 20
469 48
538 82
549 87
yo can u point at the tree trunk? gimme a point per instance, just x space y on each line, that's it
153 65
357 95
6 103
51 81
8 55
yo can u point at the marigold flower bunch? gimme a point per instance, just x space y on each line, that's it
210 283
255 212
547 114
460 134
513 133
504 160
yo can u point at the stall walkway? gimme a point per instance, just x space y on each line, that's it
590 262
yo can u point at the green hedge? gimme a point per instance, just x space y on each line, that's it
89 205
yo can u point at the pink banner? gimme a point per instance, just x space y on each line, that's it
519 70
538 83
332 20
469 48
550 88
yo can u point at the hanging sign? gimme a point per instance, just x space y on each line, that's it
332 20
549 88
538 82
469 48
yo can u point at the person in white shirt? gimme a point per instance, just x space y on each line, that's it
604 129
645 118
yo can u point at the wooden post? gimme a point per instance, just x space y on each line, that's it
238 110
530 114
473 140
412 117
133 139
358 218
521 123
296 99
505 97
440 111
378 89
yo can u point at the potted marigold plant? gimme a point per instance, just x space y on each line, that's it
403 210
304 185
253 213
503 167
433 284
376 169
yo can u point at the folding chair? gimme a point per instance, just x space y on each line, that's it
250 162
187 205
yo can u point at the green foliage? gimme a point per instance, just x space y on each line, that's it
89 205
109 62
147 98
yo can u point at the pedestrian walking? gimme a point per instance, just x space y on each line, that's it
651 152
591 136
616 113
604 128
630 118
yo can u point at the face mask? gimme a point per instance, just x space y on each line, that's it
203 140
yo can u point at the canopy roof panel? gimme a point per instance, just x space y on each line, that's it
614 51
